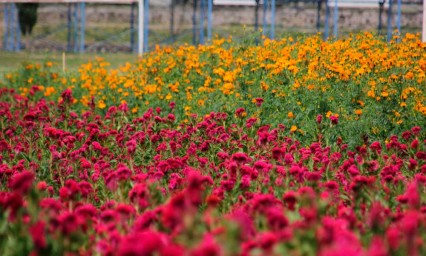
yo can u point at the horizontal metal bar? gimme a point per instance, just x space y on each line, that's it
71 1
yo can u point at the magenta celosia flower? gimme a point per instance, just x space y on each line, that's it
245 223
319 119
393 237
334 119
258 101
21 182
241 158
144 221
288 158
12 202
290 199
250 122
239 112
276 218
141 243
139 195
416 130
37 232
131 146
67 96
69 222
207 247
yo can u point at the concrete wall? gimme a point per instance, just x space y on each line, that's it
287 16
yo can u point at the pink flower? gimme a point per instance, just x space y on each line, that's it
289 199
21 182
334 119
207 247
38 234
241 158
258 101
141 243
67 96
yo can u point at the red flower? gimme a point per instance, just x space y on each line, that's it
334 119
213 200
38 235
290 199
393 236
21 182
67 96
207 247
416 130
131 146
240 158
68 222
319 119
239 112
258 101
143 243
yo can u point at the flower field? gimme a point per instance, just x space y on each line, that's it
290 147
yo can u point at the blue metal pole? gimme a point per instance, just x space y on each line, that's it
69 19
82 25
75 25
202 21
265 6
15 31
18 31
209 19
132 27
398 20
327 16
194 22
146 25
13 27
336 17
6 26
390 21
273 3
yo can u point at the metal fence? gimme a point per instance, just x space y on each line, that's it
138 25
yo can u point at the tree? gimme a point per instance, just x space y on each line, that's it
27 15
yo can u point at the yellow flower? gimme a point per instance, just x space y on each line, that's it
227 88
101 104
358 111
49 90
290 115
293 128
264 86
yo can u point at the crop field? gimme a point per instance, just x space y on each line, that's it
291 147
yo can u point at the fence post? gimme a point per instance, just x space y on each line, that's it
398 18
18 31
327 16
146 26
424 23
390 21
202 21
335 18
318 15
265 8
141 19
172 20
132 27
82 26
6 25
209 19
273 3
